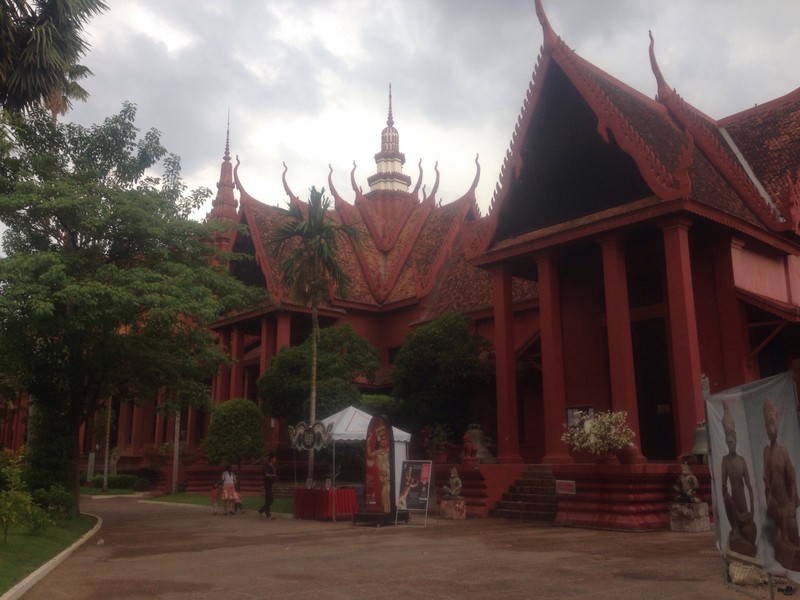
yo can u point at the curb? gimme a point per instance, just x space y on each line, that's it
26 584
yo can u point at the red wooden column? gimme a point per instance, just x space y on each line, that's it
237 370
618 325
685 347
271 432
283 336
137 441
506 369
223 377
553 388
265 346
729 313
124 427
191 418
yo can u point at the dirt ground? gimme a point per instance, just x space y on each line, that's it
158 550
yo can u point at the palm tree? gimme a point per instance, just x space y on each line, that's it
306 243
40 45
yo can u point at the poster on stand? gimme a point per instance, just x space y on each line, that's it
754 439
415 485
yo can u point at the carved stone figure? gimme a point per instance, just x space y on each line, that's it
452 490
686 486
738 503
780 490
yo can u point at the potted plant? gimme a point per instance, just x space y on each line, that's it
437 440
601 434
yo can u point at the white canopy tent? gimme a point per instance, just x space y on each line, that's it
350 425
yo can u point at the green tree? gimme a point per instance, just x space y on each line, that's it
438 369
306 241
108 285
342 357
40 46
15 501
389 406
236 433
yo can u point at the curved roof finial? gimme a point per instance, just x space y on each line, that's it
477 178
550 39
664 91
286 188
419 181
436 181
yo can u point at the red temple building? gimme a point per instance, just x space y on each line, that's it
636 252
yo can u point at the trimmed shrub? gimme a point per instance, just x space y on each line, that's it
38 519
56 500
122 481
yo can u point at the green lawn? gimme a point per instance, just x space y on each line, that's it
280 505
93 491
25 552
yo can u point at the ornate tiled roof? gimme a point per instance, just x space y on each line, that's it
462 287
768 137
379 276
743 170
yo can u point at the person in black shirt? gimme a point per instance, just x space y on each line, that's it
270 475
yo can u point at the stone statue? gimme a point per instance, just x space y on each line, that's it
452 490
468 450
780 490
686 486
738 503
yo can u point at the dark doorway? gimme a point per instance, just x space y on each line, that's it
653 389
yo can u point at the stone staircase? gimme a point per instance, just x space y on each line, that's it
533 496
474 490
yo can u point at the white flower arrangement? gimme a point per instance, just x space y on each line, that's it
599 433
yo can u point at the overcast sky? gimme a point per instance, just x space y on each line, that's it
307 81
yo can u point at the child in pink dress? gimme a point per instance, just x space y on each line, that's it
237 502
214 496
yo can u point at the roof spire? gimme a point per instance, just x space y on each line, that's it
389 160
390 120
224 205
227 155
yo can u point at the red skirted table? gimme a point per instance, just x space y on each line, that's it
325 503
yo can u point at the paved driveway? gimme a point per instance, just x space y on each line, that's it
158 550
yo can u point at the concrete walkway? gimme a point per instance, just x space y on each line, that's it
159 550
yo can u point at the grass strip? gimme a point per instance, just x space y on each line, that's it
249 503
25 552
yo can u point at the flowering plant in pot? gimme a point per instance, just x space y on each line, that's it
601 434
437 440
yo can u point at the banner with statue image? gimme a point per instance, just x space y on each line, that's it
754 439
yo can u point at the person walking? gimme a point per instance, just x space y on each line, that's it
214 496
270 475
228 488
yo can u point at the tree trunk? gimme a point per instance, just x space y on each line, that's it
107 444
312 400
176 452
75 451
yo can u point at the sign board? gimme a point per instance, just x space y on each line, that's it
565 487
415 485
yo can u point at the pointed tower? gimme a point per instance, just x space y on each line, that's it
224 206
389 160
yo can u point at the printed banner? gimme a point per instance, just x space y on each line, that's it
415 485
754 440
379 469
